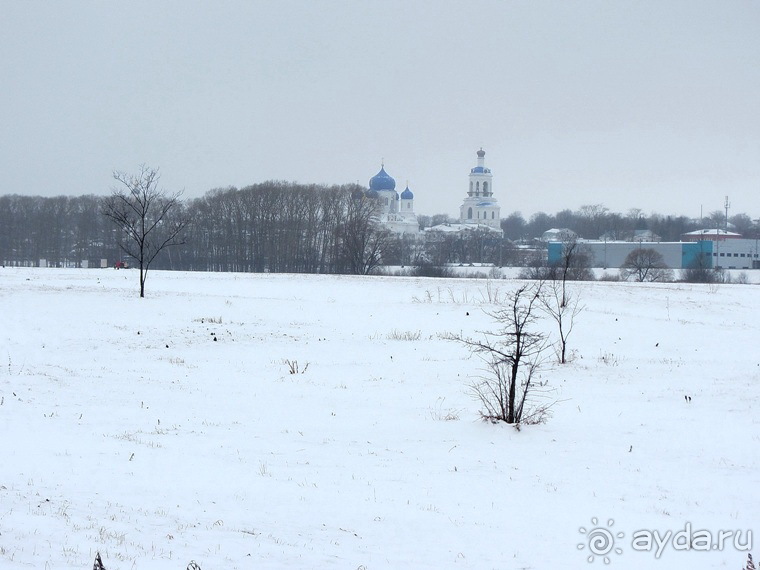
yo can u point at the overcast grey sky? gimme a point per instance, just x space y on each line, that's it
648 104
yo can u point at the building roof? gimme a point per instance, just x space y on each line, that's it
713 232
558 234
454 228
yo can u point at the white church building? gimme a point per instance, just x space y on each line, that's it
396 212
480 210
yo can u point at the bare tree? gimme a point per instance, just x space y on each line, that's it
143 212
562 306
536 268
513 354
742 223
513 226
700 271
557 301
717 219
575 262
363 237
645 264
591 220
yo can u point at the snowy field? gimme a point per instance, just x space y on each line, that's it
168 429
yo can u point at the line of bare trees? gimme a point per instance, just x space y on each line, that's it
273 226
282 227
62 230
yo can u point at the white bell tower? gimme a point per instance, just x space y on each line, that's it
480 207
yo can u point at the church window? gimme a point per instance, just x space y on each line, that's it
477 187
478 215
485 187
493 215
469 213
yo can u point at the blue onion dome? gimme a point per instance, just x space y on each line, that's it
407 194
382 181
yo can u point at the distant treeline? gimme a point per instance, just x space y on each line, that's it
273 226
287 227
597 222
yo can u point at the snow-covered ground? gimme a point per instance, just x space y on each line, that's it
168 429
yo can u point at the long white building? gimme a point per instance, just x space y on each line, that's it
725 254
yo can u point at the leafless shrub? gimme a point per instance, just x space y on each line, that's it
293 366
440 413
700 271
212 320
614 277
403 335
492 295
426 269
476 275
537 270
462 300
513 354
427 298
609 359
